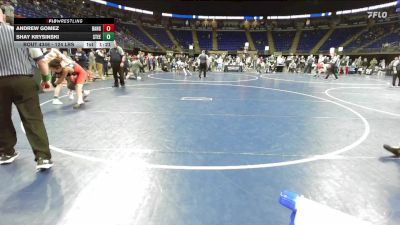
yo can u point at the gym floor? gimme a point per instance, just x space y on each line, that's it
176 150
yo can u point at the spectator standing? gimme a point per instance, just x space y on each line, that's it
92 61
81 58
99 58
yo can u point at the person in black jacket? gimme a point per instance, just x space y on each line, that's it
81 58
105 64
309 63
142 61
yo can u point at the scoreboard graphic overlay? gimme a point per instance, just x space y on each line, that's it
64 32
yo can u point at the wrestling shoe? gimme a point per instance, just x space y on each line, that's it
44 164
71 95
78 105
57 101
86 93
7 159
393 149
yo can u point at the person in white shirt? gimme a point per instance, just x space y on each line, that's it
182 66
292 67
280 63
248 62
382 68
260 62
320 66
238 60
220 62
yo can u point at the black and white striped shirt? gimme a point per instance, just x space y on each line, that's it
13 61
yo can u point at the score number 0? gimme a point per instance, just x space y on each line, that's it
108 27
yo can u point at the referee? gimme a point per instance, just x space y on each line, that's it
117 59
203 62
395 72
18 86
333 66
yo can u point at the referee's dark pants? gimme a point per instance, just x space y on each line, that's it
117 69
22 91
331 70
308 68
203 67
395 76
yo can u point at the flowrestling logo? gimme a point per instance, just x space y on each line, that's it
380 15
